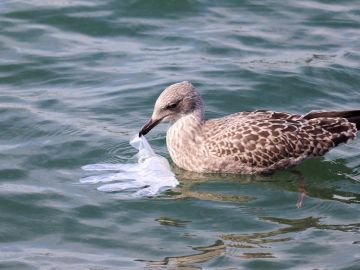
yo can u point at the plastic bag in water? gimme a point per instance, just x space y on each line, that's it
151 175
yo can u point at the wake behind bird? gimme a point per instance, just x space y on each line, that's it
150 176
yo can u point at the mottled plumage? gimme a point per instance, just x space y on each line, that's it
245 142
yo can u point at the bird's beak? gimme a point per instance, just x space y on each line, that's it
148 126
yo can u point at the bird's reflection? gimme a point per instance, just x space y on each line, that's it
291 180
316 179
189 180
189 261
250 246
258 244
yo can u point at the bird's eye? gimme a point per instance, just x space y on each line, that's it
172 106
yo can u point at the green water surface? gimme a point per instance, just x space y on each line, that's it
79 78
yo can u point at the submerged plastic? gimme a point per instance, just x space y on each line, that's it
151 175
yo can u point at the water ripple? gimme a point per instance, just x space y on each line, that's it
78 78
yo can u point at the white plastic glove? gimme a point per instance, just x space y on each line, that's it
151 175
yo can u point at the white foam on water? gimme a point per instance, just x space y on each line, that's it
150 176
339 197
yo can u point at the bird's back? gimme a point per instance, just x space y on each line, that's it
262 141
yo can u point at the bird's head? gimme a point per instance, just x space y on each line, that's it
175 101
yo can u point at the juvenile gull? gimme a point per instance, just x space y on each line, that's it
245 142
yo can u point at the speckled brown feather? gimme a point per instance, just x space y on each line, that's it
264 141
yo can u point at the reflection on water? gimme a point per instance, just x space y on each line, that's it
260 244
189 180
206 254
289 180
317 59
253 245
168 221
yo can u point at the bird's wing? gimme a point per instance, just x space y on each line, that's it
264 138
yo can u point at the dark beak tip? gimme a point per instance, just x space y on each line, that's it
141 133
148 126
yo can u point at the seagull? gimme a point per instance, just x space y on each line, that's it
248 142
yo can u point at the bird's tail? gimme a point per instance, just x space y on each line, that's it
351 116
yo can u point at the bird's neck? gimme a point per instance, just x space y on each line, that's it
188 124
184 135
182 139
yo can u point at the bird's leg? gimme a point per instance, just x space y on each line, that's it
302 193
301 189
